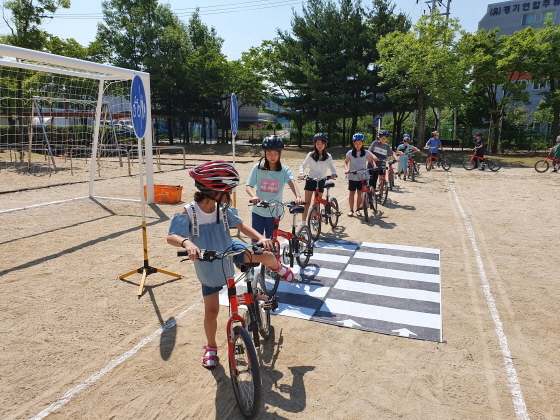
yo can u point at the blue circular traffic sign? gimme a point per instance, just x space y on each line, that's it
138 107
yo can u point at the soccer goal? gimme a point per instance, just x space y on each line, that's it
62 117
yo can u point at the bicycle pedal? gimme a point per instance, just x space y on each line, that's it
239 349
271 305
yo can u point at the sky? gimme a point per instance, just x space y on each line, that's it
241 23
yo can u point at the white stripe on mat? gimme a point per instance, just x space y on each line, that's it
396 274
400 247
382 313
396 259
397 292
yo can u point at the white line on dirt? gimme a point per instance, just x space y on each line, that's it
62 401
517 395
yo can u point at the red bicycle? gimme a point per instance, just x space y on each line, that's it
436 161
243 361
543 165
470 163
329 214
369 202
412 168
391 174
299 246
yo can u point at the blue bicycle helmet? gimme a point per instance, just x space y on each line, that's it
384 133
358 137
406 135
321 136
272 143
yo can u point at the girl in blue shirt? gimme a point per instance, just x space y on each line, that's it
205 224
266 182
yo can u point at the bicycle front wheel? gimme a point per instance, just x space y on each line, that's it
303 246
494 165
412 173
270 281
542 166
245 376
372 202
366 205
445 164
391 180
314 222
334 212
416 168
384 193
469 163
429 164
288 254
263 314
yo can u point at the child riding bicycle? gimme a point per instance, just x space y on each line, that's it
555 151
434 145
205 224
318 162
402 152
356 160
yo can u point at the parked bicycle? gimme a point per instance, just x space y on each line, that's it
369 202
299 245
243 361
436 161
471 162
329 214
543 165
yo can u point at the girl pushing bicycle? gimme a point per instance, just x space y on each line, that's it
356 160
318 161
402 152
266 183
205 224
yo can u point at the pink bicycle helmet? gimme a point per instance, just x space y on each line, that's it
217 175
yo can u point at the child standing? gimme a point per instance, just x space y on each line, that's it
478 150
357 160
318 162
381 150
266 182
434 145
402 151
205 224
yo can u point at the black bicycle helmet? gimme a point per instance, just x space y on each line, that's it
272 143
383 133
321 136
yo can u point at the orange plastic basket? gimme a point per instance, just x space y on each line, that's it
165 193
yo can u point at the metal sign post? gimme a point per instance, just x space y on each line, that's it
139 122
234 117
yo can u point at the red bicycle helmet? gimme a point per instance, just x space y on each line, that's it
217 175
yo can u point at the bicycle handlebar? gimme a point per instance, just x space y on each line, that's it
267 204
318 179
209 255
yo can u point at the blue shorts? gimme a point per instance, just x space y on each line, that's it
263 225
238 259
354 185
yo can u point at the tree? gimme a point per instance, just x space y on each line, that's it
494 86
27 17
424 61
537 52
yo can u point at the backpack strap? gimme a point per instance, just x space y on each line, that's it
225 223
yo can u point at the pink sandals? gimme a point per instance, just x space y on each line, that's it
210 358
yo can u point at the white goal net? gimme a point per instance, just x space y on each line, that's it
64 120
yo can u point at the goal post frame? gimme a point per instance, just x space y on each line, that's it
101 73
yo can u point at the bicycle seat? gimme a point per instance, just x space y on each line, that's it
329 184
296 209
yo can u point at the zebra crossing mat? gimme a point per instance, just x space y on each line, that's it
384 288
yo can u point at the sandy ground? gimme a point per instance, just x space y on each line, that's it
77 343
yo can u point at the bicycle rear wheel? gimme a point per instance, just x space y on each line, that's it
245 377
263 314
314 223
494 165
366 205
445 164
270 283
542 166
334 212
303 247
469 163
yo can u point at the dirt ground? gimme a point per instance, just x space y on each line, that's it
77 343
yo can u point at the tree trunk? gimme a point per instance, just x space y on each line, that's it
421 118
170 131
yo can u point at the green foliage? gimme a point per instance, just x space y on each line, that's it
269 126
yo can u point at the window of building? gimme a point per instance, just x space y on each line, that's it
542 85
529 19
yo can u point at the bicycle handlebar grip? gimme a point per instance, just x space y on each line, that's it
182 253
